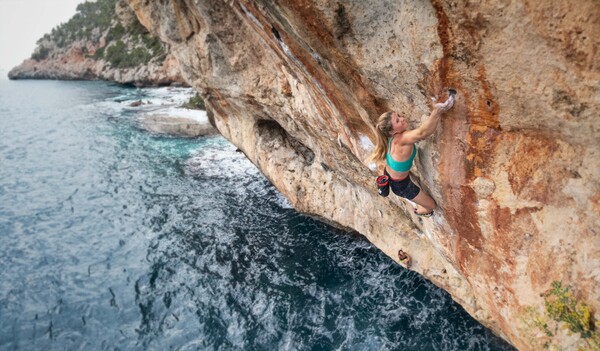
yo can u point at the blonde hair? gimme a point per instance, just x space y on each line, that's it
382 132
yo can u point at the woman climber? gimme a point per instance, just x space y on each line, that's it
396 144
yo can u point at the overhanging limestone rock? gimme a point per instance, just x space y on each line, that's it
297 85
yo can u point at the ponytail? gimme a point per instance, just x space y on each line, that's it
382 132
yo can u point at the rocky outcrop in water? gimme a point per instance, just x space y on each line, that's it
105 41
514 166
178 126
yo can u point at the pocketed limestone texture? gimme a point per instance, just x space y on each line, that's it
297 86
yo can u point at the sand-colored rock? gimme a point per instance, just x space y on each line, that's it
178 126
74 65
296 85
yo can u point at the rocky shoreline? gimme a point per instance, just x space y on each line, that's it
117 49
73 66
167 112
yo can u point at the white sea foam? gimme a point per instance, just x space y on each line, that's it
283 202
222 160
168 95
167 102
164 101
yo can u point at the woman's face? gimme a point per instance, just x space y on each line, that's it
399 124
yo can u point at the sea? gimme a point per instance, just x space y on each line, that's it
114 238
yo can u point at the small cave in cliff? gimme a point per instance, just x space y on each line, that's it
273 136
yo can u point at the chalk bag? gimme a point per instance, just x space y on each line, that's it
383 185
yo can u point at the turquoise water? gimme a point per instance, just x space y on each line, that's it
116 239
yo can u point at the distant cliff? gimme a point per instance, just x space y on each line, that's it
514 166
103 40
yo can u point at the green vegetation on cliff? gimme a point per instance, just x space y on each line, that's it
125 45
563 309
195 103
89 23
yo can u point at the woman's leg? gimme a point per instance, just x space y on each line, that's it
425 203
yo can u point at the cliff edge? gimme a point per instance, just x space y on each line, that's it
297 86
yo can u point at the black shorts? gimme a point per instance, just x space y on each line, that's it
404 188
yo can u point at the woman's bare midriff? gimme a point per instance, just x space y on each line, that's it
396 175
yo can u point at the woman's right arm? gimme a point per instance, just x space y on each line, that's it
426 129
429 126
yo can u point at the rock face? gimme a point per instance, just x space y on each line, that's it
514 166
68 55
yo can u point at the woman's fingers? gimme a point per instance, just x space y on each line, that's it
445 106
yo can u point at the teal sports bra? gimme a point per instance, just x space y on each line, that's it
403 166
